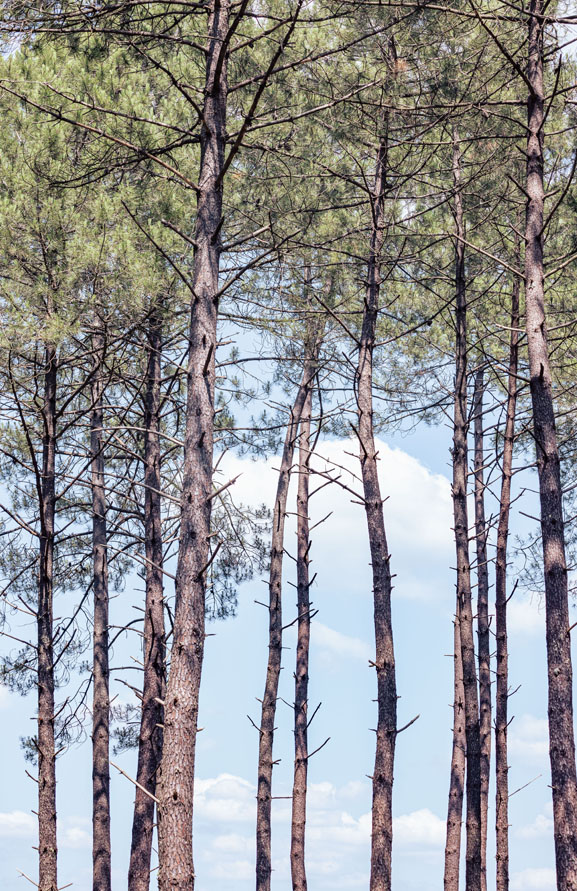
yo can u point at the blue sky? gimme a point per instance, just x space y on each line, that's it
418 512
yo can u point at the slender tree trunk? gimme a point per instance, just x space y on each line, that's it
153 689
101 854
47 844
560 670
269 700
458 767
461 519
299 798
176 786
382 819
484 647
502 682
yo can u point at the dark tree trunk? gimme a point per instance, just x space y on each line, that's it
458 767
153 688
484 646
101 862
560 670
502 682
461 519
47 844
269 700
299 798
176 786
382 818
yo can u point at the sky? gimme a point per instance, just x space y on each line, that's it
414 475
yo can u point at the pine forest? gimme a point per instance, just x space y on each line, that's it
288 445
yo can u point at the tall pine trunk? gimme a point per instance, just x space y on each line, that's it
151 719
458 767
299 797
101 852
176 786
502 673
484 644
382 818
461 519
269 700
47 843
560 670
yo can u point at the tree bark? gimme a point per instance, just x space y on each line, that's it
176 787
382 819
560 670
464 599
484 646
458 767
299 797
47 843
101 851
269 700
153 688
502 681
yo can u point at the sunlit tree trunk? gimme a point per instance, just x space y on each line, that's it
461 520
301 717
47 843
101 851
176 786
559 666
150 736
458 767
382 817
484 643
269 700
502 672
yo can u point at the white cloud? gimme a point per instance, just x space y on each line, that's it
71 831
233 843
340 828
335 643
17 824
330 874
418 828
226 798
535 879
338 842
321 795
529 738
74 837
526 616
418 508
418 502
354 790
233 870
421 827
541 826
323 868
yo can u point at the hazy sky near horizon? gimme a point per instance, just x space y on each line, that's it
418 514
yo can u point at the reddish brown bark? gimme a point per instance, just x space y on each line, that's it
382 818
559 666
150 736
47 843
101 851
299 797
176 786
502 672
269 700
461 519
458 767
484 646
